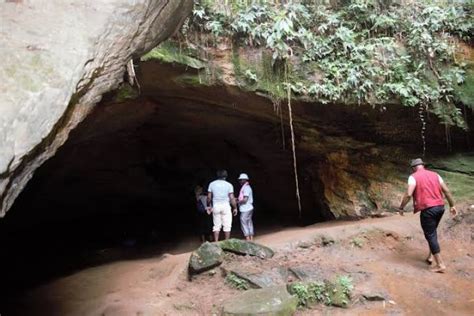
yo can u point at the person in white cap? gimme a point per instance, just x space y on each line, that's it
245 202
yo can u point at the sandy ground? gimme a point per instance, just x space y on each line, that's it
384 255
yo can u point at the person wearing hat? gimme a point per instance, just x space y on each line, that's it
221 195
427 188
245 202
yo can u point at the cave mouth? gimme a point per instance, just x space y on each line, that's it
125 179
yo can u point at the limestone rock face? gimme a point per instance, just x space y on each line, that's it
268 301
58 58
205 257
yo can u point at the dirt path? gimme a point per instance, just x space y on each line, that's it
381 256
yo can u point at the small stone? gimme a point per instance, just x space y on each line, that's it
304 245
374 297
392 302
327 241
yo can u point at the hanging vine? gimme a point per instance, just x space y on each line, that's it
279 111
423 126
293 147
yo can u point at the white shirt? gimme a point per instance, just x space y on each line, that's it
412 181
248 206
220 190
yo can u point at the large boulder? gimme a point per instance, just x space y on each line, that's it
58 58
269 301
206 257
243 247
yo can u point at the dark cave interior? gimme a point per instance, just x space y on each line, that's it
125 179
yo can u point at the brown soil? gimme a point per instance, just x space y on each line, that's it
383 256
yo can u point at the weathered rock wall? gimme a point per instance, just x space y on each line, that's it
58 58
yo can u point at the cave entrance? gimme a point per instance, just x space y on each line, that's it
126 177
122 186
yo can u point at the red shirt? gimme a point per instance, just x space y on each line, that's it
428 192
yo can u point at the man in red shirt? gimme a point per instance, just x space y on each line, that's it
427 189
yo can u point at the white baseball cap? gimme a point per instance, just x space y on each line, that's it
243 176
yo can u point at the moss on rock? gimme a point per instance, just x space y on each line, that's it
243 247
168 52
206 257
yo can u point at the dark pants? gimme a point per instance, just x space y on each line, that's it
430 218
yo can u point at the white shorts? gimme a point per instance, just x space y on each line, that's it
222 216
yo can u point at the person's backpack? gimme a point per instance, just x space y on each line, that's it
200 207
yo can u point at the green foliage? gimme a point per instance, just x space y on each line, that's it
236 282
323 292
301 292
310 293
170 53
250 75
365 51
346 284
125 92
465 92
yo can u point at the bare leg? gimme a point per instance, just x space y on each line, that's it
227 235
251 238
440 266
216 236
247 238
429 259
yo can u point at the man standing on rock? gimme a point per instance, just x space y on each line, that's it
245 202
220 194
427 189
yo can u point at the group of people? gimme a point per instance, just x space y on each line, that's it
220 202
427 189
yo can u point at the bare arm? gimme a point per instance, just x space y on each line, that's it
233 203
449 197
209 198
244 200
407 197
